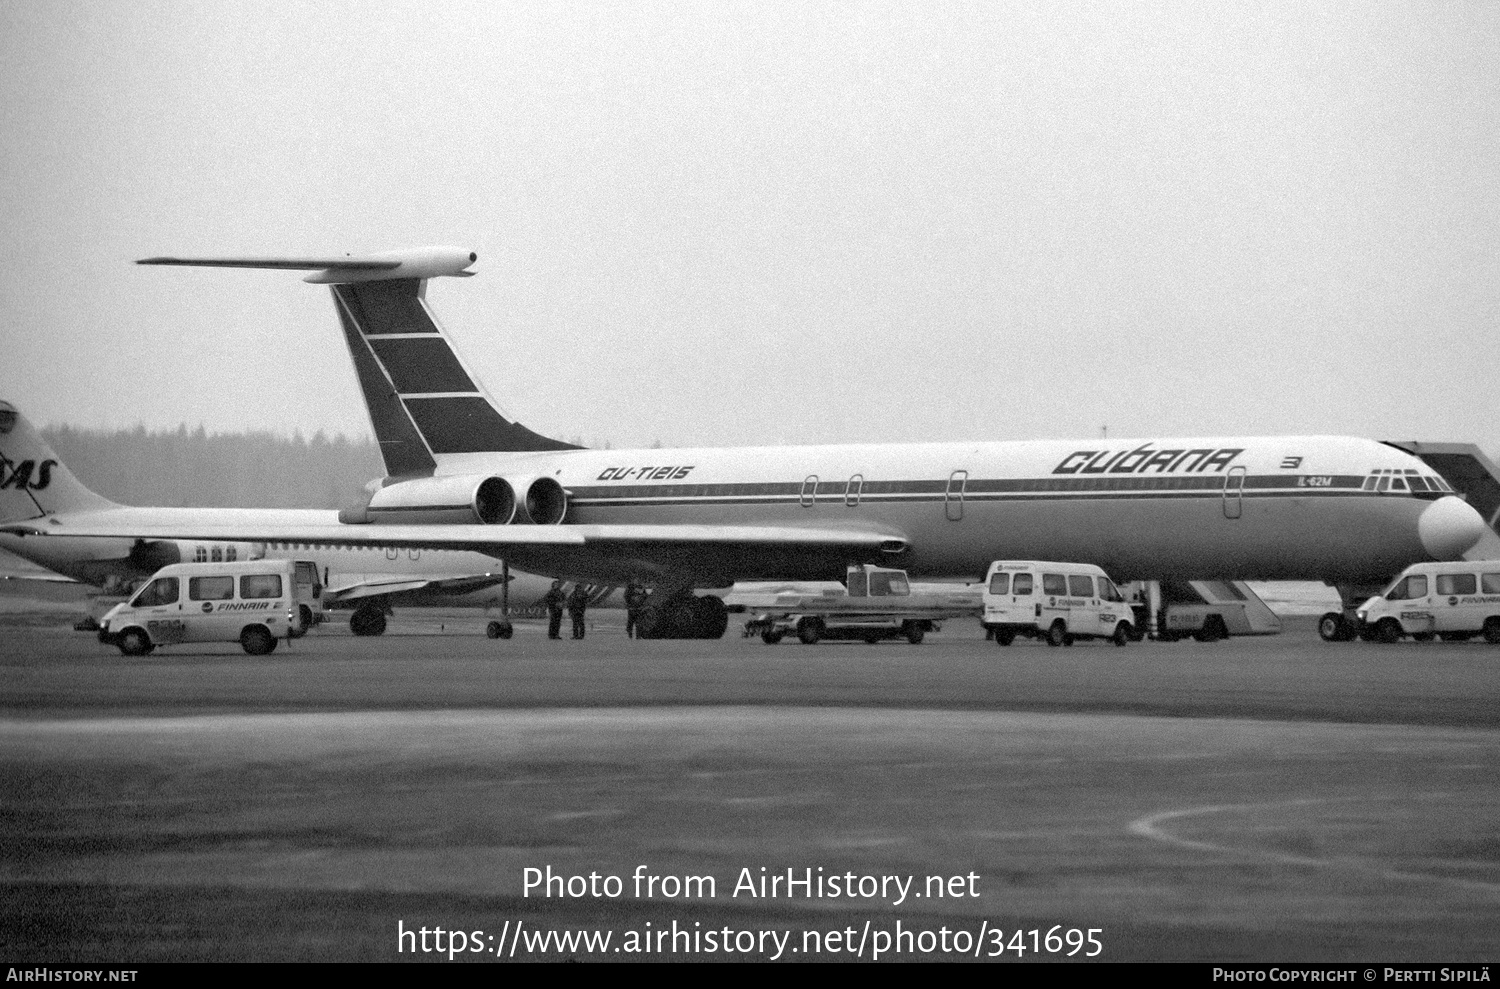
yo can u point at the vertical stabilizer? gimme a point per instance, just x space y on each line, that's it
33 481
423 402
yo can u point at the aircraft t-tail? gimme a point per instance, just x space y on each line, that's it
1348 511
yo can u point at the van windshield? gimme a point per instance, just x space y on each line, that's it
162 590
1407 588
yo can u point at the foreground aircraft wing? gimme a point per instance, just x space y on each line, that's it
707 551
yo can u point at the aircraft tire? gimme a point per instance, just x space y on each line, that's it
771 638
914 632
257 640
710 618
1057 634
1388 631
135 642
367 621
1492 631
1122 634
499 630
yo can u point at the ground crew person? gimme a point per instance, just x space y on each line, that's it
635 600
578 603
554 599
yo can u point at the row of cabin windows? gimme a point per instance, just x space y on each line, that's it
1055 584
1446 585
166 590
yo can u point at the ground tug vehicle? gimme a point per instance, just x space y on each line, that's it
875 603
253 603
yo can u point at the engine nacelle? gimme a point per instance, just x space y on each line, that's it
543 502
463 499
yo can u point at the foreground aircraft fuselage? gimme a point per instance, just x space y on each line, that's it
462 476
1329 508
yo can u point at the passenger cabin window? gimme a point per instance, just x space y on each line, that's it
1081 587
1490 582
1055 583
884 584
260 585
210 588
1456 583
1022 584
1414 586
1000 583
162 590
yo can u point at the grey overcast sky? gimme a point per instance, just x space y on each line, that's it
746 223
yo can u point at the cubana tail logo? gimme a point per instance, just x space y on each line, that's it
27 475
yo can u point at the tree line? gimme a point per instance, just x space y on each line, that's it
182 467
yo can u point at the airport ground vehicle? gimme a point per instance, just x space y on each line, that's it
252 603
1205 610
1056 602
308 592
875 603
1450 601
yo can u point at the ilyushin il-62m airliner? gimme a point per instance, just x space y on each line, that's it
1352 512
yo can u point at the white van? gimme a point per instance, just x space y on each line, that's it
1453 601
1058 602
252 603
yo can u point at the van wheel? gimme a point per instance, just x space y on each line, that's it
771 638
1004 637
258 641
1333 628
1058 635
1492 631
1388 631
134 642
914 633
810 630
1122 634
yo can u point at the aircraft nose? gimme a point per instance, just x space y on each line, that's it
1448 527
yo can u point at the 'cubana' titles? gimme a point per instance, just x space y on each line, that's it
1144 459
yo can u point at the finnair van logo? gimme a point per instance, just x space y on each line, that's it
19 475
1144 458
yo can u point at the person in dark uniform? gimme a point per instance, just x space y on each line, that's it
635 600
554 599
578 603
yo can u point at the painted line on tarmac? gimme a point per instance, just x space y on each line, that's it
1151 828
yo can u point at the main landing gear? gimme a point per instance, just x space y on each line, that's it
367 620
684 616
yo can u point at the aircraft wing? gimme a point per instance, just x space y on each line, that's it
382 586
41 575
598 552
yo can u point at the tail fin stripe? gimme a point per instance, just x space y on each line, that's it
422 366
401 446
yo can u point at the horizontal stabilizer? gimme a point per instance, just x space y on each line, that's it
415 262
